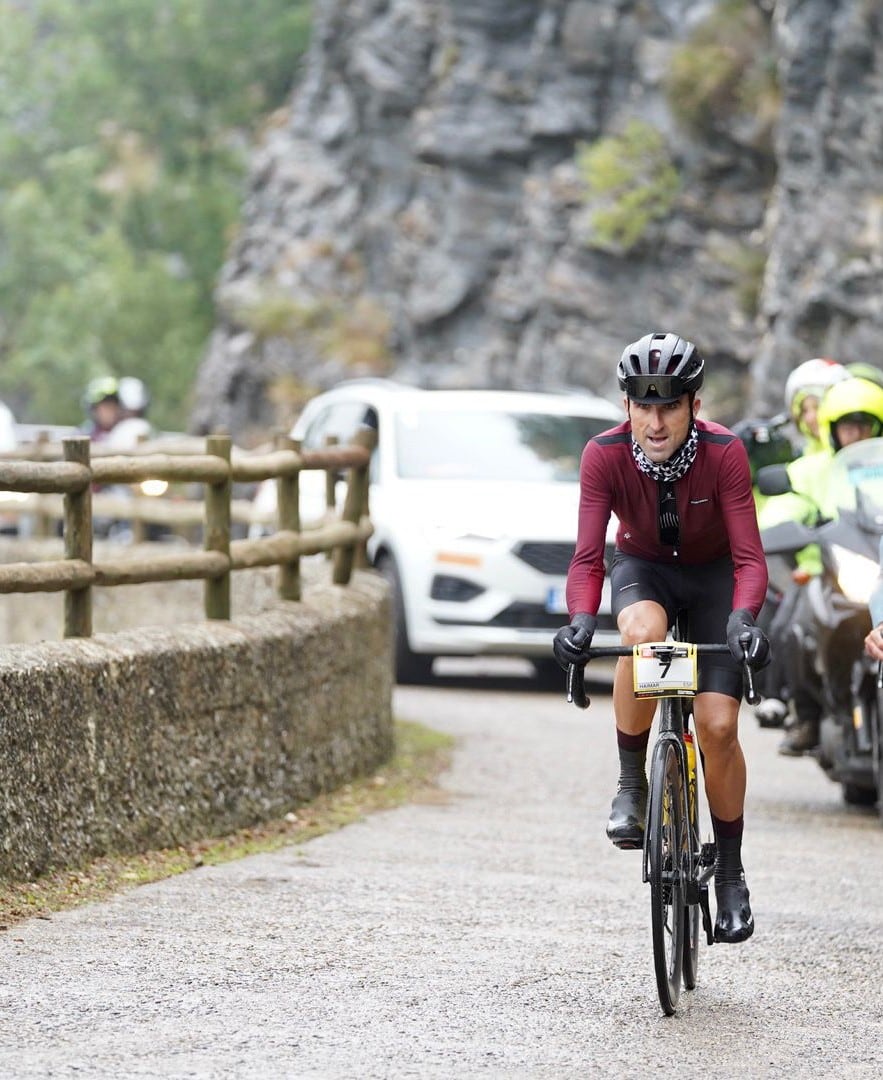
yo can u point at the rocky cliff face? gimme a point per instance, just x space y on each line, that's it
505 192
823 288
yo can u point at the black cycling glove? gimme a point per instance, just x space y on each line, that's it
571 642
742 630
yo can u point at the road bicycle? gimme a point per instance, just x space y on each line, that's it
676 862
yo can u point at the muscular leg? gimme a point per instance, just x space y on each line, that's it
642 621
717 725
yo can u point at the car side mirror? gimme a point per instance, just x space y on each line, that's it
773 480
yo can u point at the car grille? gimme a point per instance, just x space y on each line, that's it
548 558
551 558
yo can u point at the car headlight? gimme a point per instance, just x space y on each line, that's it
154 488
856 574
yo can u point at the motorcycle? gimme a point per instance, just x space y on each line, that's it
850 747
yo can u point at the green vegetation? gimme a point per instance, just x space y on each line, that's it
726 71
630 181
124 129
421 755
748 263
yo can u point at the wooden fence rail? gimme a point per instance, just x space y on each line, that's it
217 470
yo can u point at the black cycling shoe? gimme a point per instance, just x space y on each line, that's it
734 921
627 814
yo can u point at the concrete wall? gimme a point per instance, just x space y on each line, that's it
159 735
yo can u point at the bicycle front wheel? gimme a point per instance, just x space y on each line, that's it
666 824
692 912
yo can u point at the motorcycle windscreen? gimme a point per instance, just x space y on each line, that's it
855 482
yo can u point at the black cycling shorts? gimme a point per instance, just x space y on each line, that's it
703 593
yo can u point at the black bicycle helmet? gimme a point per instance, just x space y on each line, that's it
660 368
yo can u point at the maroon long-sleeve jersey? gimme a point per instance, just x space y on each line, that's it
716 512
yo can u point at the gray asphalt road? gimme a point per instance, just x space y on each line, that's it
493 932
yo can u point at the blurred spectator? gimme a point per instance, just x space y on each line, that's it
101 403
134 396
133 427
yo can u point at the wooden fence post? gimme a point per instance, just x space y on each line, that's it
78 542
42 521
288 503
217 530
331 478
355 501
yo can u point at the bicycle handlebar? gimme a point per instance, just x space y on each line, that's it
576 680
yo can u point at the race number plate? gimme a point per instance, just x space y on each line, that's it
665 669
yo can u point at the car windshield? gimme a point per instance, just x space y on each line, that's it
491 445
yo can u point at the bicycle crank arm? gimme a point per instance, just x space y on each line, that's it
706 914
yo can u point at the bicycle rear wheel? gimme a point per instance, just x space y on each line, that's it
666 825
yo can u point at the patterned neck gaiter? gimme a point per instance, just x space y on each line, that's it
676 466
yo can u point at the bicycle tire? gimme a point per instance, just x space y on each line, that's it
692 912
666 824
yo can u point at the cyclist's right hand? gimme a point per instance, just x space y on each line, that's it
572 642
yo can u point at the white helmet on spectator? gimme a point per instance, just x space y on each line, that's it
134 396
811 378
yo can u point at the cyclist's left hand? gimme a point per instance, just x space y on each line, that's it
746 639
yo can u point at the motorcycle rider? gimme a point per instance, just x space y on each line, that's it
766 443
850 411
804 390
687 541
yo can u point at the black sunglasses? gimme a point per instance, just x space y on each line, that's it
650 386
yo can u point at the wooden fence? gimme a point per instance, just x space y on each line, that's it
74 477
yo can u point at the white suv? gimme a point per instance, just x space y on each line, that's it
473 497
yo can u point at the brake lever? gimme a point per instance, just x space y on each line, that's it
576 686
749 690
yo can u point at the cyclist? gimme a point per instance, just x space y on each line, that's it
850 411
687 541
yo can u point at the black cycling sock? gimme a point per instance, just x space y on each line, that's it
632 760
728 838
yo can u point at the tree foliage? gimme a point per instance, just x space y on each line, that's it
124 130
630 181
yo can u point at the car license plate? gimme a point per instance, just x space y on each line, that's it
556 602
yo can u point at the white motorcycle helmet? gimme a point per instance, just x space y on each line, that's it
811 378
